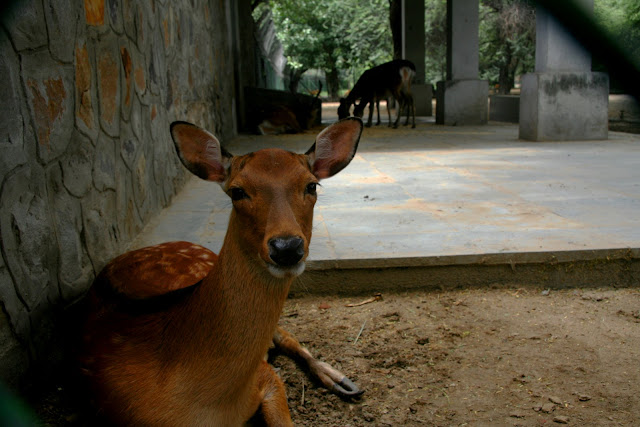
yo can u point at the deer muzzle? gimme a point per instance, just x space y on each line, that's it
286 251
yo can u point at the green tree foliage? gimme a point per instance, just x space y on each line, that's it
333 35
435 40
507 41
345 37
621 18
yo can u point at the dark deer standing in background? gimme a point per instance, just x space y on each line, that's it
177 335
389 79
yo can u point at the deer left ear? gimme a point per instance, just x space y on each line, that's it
200 152
334 148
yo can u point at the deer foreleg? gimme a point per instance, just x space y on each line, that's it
274 409
413 110
371 106
409 105
389 112
408 108
399 107
331 378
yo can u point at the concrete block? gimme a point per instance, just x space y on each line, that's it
422 96
462 102
624 108
462 46
504 108
413 46
556 49
564 106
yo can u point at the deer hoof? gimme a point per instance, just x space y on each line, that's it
347 389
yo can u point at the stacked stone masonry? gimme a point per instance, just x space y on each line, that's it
88 91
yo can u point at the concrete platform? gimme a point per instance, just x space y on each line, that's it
440 206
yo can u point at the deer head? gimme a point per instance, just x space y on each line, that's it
273 191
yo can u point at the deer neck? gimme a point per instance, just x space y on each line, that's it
353 95
240 298
247 282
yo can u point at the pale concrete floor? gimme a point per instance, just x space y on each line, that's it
438 195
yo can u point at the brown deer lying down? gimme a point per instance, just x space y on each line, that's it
278 119
380 82
178 335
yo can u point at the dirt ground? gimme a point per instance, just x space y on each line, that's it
482 357
511 357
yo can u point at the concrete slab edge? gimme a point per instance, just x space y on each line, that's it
533 271
509 258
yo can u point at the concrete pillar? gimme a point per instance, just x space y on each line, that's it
462 98
413 49
562 100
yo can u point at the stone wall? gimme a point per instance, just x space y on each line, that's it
88 91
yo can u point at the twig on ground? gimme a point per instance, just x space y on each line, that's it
376 297
360 333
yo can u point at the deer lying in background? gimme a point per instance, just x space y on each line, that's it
380 82
178 335
278 119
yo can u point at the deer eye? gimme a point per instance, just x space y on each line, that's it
311 188
237 193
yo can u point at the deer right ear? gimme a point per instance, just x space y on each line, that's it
200 152
334 148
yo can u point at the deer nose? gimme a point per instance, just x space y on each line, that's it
286 251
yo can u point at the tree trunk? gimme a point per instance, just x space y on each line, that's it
395 22
506 78
295 75
333 83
